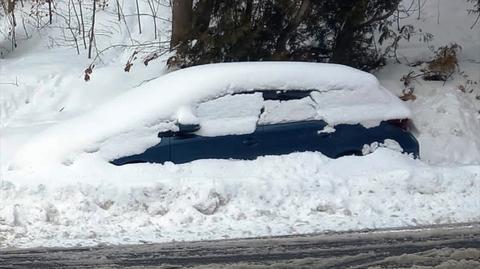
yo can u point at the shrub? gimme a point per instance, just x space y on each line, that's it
445 63
322 31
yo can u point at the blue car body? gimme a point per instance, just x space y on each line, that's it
273 139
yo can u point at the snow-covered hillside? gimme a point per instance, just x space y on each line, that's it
448 119
90 201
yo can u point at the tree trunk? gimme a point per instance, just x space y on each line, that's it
345 37
201 17
9 7
182 12
281 46
50 11
343 45
92 30
138 17
118 11
76 16
154 16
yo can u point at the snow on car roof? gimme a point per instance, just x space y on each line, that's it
346 95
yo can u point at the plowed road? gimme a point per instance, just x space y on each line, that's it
442 247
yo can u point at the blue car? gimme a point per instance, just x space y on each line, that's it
279 122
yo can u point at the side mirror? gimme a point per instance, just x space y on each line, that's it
188 128
166 134
183 129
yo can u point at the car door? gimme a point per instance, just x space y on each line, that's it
159 153
227 130
186 148
284 138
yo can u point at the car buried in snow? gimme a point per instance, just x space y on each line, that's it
337 117
232 111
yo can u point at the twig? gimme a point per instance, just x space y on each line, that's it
438 12
145 81
138 45
473 25
11 83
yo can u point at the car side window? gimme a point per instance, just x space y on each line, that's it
240 113
276 111
229 115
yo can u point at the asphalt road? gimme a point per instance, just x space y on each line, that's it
439 247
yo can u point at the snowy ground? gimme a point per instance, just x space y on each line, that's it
89 203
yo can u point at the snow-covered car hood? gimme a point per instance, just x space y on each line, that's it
348 95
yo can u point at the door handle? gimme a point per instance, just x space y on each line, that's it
250 142
325 135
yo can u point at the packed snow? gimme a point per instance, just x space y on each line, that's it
57 133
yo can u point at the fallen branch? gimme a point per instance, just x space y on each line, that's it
10 83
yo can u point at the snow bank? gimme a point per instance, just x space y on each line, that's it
447 119
456 128
91 202
351 96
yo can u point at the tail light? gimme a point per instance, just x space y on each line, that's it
404 124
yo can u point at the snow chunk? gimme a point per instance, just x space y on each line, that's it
230 114
327 130
366 106
185 115
287 111
387 143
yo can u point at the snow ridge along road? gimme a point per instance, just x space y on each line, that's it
447 246
299 193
